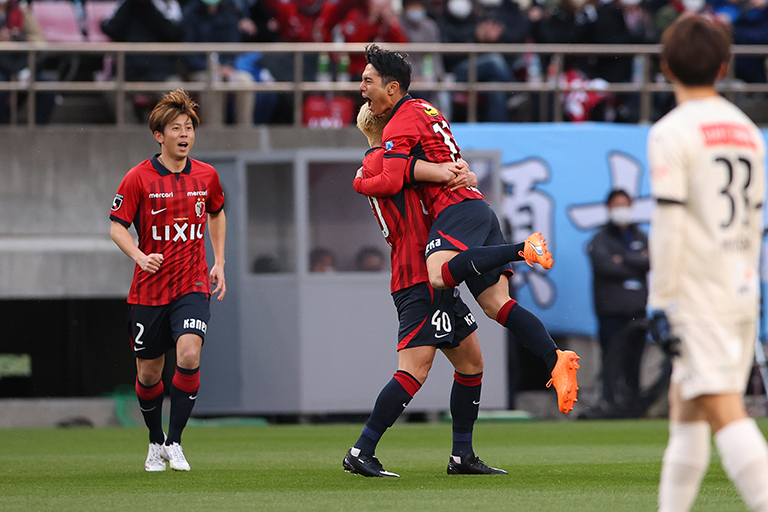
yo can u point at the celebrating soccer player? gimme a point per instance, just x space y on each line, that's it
465 241
707 161
429 319
169 199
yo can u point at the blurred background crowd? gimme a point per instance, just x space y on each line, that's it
359 21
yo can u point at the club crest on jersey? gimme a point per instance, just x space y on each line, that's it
200 207
388 145
117 202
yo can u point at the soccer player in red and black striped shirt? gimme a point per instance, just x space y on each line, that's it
429 319
466 243
169 199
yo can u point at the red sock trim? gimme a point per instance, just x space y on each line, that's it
447 277
410 384
148 393
468 380
503 313
187 383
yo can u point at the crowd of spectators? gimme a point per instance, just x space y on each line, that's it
423 21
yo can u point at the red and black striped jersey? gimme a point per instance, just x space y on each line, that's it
419 130
404 223
168 211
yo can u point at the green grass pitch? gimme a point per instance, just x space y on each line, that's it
557 466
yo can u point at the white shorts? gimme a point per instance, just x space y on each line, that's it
715 357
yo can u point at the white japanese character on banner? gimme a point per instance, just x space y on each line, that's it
626 174
528 210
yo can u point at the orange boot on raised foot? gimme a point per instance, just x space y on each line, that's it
564 380
536 251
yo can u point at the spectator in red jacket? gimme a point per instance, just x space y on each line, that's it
369 20
304 21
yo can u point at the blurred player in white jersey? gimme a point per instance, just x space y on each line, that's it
708 179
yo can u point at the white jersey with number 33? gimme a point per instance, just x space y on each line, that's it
707 163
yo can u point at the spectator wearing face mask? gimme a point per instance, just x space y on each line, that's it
463 22
619 257
420 28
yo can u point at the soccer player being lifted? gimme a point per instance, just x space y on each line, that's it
465 241
429 319
707 161
169 199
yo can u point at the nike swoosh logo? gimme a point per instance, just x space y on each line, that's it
147 410
155 212
476 402
136 349
442 335
193 397
536 248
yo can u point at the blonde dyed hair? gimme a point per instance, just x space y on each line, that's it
371 126
171 106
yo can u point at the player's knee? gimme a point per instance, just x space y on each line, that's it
188 358
436 281
421 372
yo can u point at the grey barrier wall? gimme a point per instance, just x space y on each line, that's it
311 342
287 341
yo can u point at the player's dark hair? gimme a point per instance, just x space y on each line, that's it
695 49
171 106
616 193
391 65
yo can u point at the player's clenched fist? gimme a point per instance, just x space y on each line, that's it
151 262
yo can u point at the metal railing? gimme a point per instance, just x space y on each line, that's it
118 85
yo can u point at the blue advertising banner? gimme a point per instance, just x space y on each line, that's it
555 179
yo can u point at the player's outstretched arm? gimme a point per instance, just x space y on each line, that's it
217 229
147 262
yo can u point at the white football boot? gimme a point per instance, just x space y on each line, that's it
175 457
155 460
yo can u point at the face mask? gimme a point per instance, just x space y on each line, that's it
694 5
621 215
460 8
416 14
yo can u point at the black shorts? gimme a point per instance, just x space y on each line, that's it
155 329
432 317
471 223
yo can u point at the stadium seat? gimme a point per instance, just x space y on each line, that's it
95 12
58 21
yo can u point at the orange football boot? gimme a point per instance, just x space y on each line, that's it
564 380
536 251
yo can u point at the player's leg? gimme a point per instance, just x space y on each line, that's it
686 457
467 361
189 322
478 260
412 369
742 447
466 240
417 340
530 331
150 338
151 406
